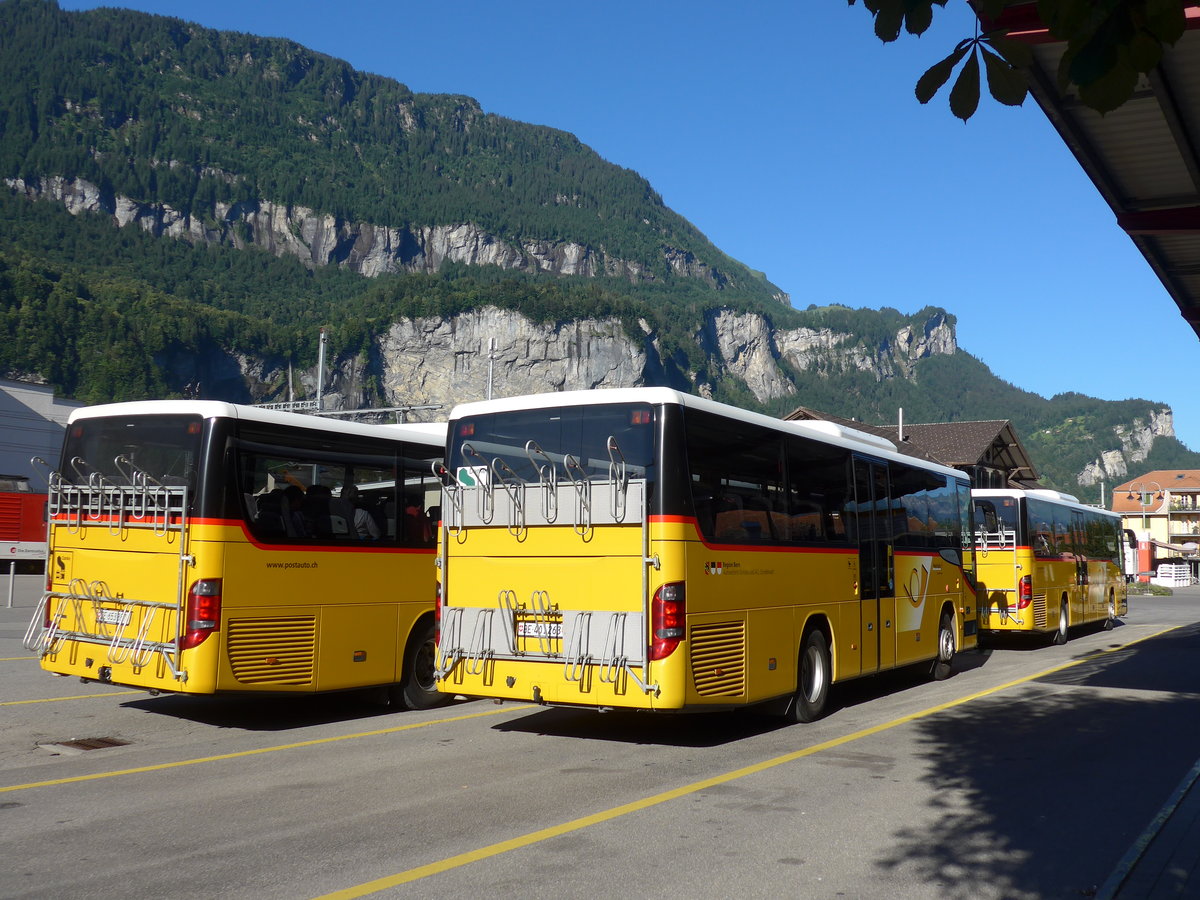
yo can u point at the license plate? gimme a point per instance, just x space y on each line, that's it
113 616
530 629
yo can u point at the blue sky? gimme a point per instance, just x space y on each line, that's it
790 136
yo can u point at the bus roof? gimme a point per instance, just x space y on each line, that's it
824 431
435 431
423 432
1057 497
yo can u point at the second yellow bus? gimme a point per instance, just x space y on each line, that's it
648 549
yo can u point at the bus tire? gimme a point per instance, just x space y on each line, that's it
947 646
813 677
418 684
1060 633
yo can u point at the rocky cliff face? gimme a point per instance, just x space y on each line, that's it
751 350
319 239
437 360
445 361
1135 439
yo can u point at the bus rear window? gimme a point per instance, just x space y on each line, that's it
162 450
594 438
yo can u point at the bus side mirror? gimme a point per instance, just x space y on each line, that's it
951 555
1130 540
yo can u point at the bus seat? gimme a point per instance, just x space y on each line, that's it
341 517
781 525
269 516
703 505
808 526
756 524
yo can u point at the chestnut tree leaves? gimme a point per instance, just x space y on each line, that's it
1110 43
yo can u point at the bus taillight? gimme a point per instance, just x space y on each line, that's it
668 613
1025 592
203 612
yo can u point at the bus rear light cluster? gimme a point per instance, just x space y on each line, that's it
203 615
1024 592
668 615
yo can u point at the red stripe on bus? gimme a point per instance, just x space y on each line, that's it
749 548
358 547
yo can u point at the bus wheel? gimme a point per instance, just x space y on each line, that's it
1060 634
418 686
946 647
812 679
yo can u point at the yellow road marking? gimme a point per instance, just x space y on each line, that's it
543 834
243 753
15 658
75 697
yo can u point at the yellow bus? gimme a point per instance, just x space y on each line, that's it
200 547
1046 563
646 549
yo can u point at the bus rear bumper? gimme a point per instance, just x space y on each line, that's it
554 684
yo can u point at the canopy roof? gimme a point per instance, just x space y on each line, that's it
1142 157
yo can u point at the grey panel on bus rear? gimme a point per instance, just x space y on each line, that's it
601 637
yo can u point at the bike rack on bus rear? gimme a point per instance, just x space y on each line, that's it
142 505
476 636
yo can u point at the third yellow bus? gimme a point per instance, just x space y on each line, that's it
1046 563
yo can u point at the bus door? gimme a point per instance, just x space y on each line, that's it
1085 591
1081 593
877 595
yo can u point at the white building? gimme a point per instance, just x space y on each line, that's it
32 423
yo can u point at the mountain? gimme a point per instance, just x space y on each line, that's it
226 138
185 208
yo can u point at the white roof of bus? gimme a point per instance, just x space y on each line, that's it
434 430
828 432
1043 494
425 432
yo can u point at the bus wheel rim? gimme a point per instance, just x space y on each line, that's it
424 667
946 644
814 675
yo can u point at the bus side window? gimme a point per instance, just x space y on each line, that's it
807 521
269 515
745 464
817 484
728 520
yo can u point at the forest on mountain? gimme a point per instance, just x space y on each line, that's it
166 112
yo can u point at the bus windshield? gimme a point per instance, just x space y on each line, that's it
596 438
162 449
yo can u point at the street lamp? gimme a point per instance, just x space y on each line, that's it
1141 491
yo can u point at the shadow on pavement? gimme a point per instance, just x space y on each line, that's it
271 712
1040 799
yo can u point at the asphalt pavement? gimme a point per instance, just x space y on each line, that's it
1163 861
